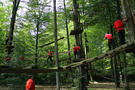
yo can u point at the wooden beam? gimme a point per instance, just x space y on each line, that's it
50 42
111 53
15 70
74 32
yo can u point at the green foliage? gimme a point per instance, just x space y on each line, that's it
97 16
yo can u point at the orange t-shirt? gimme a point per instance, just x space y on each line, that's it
30 85
78 48
118 25
109 36
74 49
50 53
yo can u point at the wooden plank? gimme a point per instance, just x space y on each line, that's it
15 70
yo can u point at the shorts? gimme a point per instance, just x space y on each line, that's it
78 52
75 53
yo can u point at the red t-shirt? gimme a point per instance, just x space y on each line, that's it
21 58
8 59
50 53
74 49
30 85
118 25
109 36
78 48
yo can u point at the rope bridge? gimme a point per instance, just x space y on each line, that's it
122 48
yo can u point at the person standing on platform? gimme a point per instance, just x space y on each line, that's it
110 40
120 29
78 51
75 51
49 56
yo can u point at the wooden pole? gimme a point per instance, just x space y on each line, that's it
56 46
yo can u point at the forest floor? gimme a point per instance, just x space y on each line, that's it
92 86
108 86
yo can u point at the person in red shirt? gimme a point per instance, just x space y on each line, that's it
75 51
110 40
21 57
121 32
78 50
30 85
49 55
8 58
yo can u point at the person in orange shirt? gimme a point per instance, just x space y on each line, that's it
120 29
78 51
110 40
49 55
30 85
8 58
75 51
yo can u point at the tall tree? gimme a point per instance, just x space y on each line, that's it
12 24
36 15
56 46
37 36
131 31
128 14
66 22
78 38
76 19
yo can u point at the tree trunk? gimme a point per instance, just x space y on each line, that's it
130 22
116 73
120 68
12 24
113 61
86 46
125 72
82 55
77 27
56 47
76 21
111 31
68 42
69 56
90 71
118 8
36 54
78 38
